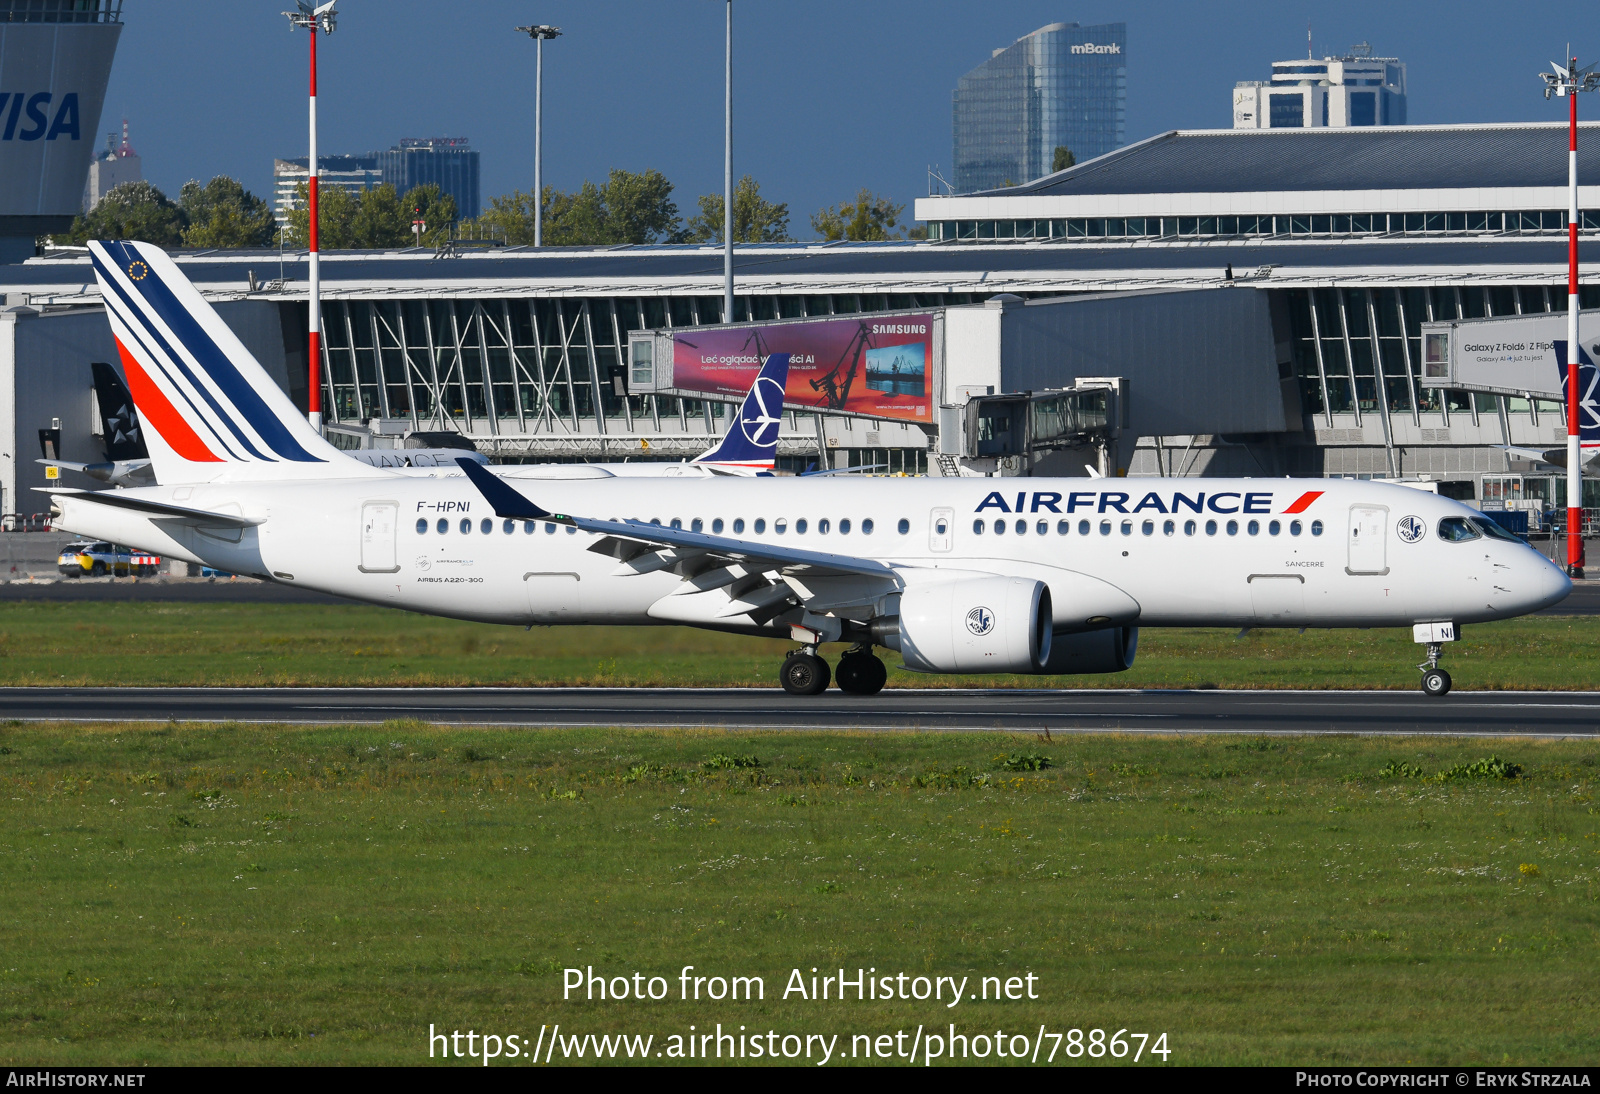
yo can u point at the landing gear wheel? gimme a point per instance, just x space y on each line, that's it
804 674
861 674
1436 682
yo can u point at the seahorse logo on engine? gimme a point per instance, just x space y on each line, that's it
980 621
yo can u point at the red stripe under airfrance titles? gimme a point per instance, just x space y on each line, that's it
1303 502
159 413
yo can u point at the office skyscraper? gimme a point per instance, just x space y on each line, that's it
447 162
1061 85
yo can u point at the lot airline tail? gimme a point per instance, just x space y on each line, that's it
751 443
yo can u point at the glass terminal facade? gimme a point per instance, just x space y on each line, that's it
1061 85
517 372
1099 229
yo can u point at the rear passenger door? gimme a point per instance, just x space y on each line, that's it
378 523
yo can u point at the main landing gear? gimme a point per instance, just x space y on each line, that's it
859 673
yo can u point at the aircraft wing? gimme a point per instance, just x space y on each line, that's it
117 499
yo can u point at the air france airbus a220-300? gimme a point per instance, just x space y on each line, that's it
956 575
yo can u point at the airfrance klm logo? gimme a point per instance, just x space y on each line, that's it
1090 47
1116 501
26 116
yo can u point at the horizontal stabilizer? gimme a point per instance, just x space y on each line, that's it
118 500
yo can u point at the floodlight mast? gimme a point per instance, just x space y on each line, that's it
538 34
319 18
1570 81
727 170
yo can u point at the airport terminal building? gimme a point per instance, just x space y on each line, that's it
1259 294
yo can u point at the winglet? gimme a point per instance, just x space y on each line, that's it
505 500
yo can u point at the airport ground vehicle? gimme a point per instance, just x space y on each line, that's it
91 559
1038 576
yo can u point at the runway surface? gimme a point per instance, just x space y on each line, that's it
1566 714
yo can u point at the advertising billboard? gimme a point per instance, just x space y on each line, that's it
54 85
876 365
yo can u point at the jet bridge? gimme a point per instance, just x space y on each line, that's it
1031 432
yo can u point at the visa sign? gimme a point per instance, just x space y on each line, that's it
28 117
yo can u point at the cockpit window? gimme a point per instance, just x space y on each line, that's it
1456 530
1492 529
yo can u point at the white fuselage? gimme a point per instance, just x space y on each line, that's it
379 540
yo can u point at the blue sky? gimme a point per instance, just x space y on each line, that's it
830 95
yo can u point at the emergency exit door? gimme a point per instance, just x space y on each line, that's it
378 523
1368 552
941 524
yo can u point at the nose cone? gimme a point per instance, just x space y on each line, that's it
1542 584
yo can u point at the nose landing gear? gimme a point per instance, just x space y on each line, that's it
1435 681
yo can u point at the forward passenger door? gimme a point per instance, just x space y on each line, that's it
1369 526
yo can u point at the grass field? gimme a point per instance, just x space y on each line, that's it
240 894
154 643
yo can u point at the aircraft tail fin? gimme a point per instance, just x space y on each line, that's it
209 411
119 420
1588 392
750 446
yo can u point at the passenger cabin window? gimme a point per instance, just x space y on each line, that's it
422 526
1273 527
1127 527
697 525
977 527
1022 528
823 526
738 526
844 526
866 527
676 523
904 526
1083 527
761 525
1043 527
1168 527
1316 527
1254 528
486 526
1456 530
509 527
1211 527
999 527
443 526
1233 527
549 529
1148 527
1063 527
466 525
1188 527
716 526
1294 528
800 527
779 526
527 527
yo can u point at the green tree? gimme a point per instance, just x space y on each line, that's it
374 218
869 217
222 213
755 220
629 207
1063 159
134 210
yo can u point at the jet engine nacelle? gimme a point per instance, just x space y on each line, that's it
1108 650
981 624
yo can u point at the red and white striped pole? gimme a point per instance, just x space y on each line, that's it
1574 425
314 347
313 19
